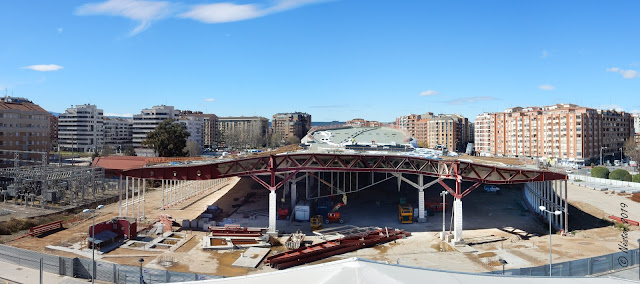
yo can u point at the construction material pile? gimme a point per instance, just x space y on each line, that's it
330 248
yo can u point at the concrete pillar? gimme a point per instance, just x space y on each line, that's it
126 200
162 187
421 217
294 196
144 190
566 209
272 210
457 220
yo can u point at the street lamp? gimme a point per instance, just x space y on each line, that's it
93 240
542 208
443 194
141 260
601 154
503 262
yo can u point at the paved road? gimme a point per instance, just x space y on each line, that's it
15 274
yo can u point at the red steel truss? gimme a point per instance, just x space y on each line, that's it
304 162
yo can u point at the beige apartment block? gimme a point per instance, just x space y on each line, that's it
291 124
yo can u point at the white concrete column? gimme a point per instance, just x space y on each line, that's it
144 190
294 195
139 196
126 200
272 210
421 217
162 187
457 220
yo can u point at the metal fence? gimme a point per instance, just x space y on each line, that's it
105 271
581 267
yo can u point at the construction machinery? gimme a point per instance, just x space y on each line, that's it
405 213
334 216
316 222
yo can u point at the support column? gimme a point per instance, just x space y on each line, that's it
126 200
162 181
144 190
566 209
119 197
294 196
421 217
457 221
272 210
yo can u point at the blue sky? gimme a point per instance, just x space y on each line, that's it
336 60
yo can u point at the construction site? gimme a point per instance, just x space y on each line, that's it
254 215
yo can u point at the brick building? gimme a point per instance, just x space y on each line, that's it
291 124
565 132
24 126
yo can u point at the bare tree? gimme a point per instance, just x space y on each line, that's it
632 149
193 149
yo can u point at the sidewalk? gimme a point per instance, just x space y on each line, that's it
26 275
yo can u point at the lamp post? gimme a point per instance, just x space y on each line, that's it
141 260
621 160
443 194
542 208
93 240
601 155
503 262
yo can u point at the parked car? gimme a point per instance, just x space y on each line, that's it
491 188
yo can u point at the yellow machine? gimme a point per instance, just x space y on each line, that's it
405 213
316 222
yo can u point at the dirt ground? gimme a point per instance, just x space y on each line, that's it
494 223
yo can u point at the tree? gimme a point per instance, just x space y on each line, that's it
129 151
636 178
293 140
193 149
168 139
275 140
107 151
631 149
600 172
620 174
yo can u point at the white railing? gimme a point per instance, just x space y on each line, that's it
604 181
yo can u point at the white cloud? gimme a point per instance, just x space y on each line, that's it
544 54
209 100
429 93
118 114
468 100
230 12
59 30
44 68
610 106
138 10
627 74
546 87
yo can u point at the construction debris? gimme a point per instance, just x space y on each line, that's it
252 257
235 237
330 248
295 240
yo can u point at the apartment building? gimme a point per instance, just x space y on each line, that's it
53 132
359 122
566 132
210 131
149 119
118 132
636 122
291 124
447 130
482 131
81 129
243 130
24 126
195 126
409 122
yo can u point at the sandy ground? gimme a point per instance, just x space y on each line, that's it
486 216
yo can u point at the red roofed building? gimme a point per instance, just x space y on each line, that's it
115 165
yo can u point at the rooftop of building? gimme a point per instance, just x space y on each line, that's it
360 135
21 104
241 117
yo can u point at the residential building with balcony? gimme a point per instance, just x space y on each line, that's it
81 129
24 126
291 124
148 119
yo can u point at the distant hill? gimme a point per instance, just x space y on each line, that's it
323 123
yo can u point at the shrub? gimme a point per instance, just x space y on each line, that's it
620 174
636 178
600 172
